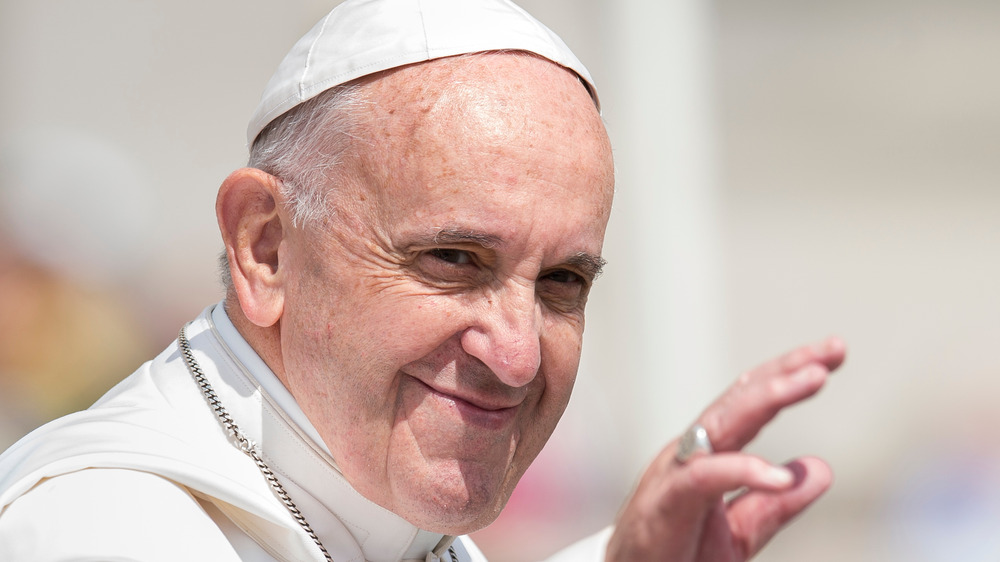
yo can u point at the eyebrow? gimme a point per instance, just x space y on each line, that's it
589 264
465 236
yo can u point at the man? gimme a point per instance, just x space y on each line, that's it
409 256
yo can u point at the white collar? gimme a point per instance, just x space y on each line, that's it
350 509
263 375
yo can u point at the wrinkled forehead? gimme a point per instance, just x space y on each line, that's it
469 131
468 87
476 101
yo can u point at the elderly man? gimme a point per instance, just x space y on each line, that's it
409 255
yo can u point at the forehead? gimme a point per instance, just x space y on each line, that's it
495 94
498 138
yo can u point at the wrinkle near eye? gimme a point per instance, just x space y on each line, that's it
449 267
563 290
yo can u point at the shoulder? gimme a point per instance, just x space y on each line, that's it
110 513
155 421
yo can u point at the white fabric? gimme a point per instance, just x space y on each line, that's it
140 474
148 473
79 515
362 37
261 373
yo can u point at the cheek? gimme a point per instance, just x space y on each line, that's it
562 343
560 361
404 327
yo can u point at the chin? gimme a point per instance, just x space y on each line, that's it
457 509
455 521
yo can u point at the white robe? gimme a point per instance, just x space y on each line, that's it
149 473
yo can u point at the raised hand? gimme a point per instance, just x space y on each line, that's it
677 512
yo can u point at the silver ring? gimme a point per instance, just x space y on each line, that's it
694 441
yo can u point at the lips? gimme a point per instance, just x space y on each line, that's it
487 412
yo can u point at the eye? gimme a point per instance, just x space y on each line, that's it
563 276
563 290
457 257
451 267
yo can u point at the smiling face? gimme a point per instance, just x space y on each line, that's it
432 325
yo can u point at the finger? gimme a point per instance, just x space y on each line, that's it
708 477
747 406
737 416
675 490
668 510
829 352
758 515
716 543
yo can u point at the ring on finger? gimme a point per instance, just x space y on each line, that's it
694 442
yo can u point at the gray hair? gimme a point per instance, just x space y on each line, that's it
304 148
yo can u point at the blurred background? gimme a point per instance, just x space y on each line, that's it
787 170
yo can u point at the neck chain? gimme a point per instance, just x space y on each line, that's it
249 447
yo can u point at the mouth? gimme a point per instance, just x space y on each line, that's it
485 412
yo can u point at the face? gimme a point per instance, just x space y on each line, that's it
432 326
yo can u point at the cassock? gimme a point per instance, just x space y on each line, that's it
150 473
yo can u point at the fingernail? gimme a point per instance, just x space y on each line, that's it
779 476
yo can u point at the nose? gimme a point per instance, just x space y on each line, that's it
506 335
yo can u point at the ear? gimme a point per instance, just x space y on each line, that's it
253 230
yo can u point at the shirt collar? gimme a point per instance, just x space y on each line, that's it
348 509
263 375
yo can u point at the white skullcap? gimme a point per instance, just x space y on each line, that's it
361 37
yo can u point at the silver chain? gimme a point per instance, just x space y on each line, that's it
248 446
244 443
